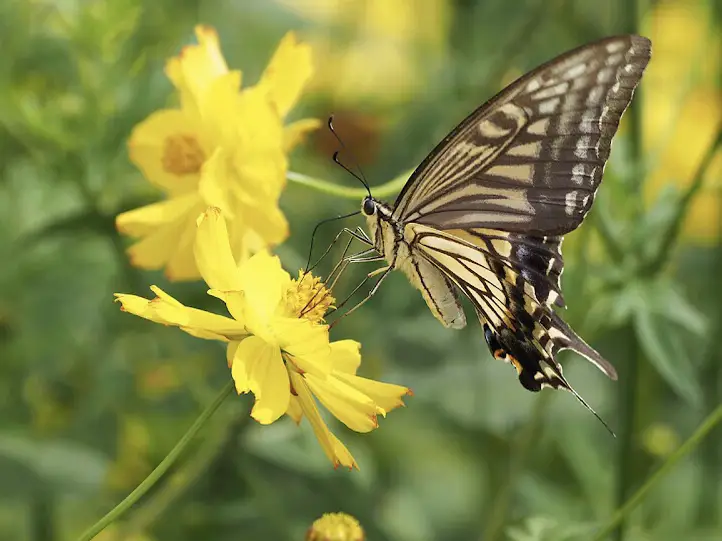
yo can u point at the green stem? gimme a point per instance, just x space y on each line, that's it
629 378
671 235
160 470
42 515
602 223
712 420
183 478
385 190
496 518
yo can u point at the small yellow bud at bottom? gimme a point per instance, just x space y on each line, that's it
335 527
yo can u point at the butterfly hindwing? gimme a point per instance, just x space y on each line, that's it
503 297
530 160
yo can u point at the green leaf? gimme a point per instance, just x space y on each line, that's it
664 299
668 350
66 465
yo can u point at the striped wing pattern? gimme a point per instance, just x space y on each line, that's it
531 159
519 327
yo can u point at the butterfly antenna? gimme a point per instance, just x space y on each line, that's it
362 177
308 267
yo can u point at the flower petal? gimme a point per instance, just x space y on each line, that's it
197 65
213 181
294 410
263 225
258 367
157 249
137 306
166 310
146 220
346 356
288 72
182 263
306 342
213 252
387 396
295 132
221 110
148 145
350 406
258 158
331 445
263 282
231 352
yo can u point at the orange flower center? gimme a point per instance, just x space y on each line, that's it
308 298
182 155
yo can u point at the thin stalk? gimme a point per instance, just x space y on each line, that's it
42 516
524 444
184 477
629 377
160 470
385 190
712 420
626 458
601 222
672 234
633 10
177 484
711 449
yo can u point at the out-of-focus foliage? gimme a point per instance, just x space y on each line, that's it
92 398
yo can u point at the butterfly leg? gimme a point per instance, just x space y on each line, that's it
359 235
384 271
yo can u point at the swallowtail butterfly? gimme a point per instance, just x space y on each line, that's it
485 213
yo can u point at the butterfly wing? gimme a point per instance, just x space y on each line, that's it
487 273
531 158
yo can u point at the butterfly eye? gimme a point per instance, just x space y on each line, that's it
369 207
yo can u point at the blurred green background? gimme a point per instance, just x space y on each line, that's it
92 399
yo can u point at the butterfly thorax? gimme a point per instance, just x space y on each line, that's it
394 239
386 232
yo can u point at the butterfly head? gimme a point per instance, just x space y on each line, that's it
368 206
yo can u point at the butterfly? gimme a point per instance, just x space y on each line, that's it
485 213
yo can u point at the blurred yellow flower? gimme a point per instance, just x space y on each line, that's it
278 345
683 106
224 147
335 527
385 50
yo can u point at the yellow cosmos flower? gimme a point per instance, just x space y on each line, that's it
278 346
335 527
224 147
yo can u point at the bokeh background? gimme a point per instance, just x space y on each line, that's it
92 399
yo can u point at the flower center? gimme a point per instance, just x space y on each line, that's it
308 298
335 527
182 155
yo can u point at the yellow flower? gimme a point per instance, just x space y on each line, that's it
335 527
392 49
683 108
224 147
278 346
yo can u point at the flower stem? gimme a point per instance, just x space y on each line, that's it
323 186
630 377
160 470
672 233
523 447
712 420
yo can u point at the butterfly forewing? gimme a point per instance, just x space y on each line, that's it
530 159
